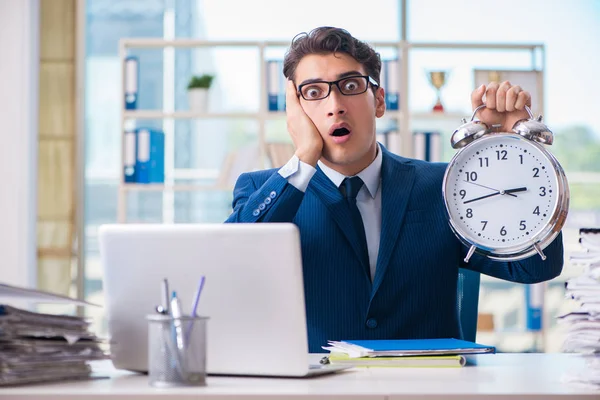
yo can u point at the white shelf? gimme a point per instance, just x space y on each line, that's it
159 187
452 116
158 114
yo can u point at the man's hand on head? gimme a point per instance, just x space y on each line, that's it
504 104
304 133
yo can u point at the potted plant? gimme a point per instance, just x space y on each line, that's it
198 92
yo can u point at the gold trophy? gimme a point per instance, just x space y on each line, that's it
438 80
494 76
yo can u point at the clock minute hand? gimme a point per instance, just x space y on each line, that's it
487 187
482 197
502 192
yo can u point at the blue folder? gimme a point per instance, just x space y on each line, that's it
150 162
413 347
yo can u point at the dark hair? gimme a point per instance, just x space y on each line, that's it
325 40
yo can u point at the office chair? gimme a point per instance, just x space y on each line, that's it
468 302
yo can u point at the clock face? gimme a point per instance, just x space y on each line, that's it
501 191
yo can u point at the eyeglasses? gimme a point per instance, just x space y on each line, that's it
349 86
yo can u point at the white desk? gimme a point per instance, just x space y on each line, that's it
500 376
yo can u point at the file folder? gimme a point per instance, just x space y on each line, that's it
407 347
273 85
150 163
451 361
392 95
131 73
129 153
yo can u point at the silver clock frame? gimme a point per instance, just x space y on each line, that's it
537 243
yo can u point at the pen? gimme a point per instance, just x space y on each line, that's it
176 314
177 356
195 308
165 296
197 296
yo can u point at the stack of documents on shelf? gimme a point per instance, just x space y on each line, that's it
38 347
404 353
583 323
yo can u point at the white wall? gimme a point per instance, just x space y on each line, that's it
19 70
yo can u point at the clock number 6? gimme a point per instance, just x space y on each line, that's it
503 231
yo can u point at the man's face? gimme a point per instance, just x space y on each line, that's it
351 150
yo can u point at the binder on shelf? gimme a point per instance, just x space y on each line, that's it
131 82
275 85
389 77
427 146
129 155
407 347
534 299
150 162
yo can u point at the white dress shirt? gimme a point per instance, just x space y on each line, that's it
368 199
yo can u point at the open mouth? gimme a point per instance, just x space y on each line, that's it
340 132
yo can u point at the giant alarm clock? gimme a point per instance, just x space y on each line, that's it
506 195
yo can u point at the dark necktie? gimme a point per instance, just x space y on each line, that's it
352 187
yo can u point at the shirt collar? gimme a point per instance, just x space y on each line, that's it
371 176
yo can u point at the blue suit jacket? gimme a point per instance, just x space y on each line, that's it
414 292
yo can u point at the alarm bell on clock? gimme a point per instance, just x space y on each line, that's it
506 195
532 129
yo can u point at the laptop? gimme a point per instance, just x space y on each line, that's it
253 293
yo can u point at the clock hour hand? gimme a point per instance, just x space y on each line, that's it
509 191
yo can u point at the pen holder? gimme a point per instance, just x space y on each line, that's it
176 351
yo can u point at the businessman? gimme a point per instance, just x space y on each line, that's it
379 258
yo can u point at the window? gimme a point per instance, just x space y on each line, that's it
569 86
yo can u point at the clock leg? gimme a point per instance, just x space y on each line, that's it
470 253
537 248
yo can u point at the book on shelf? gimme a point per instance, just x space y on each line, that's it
427 146
279 153
236 162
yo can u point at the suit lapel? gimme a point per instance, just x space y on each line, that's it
397 180
330 195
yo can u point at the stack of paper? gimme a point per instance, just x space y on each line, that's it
37 347
404 353
583 324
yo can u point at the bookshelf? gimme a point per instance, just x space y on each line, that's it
400 123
